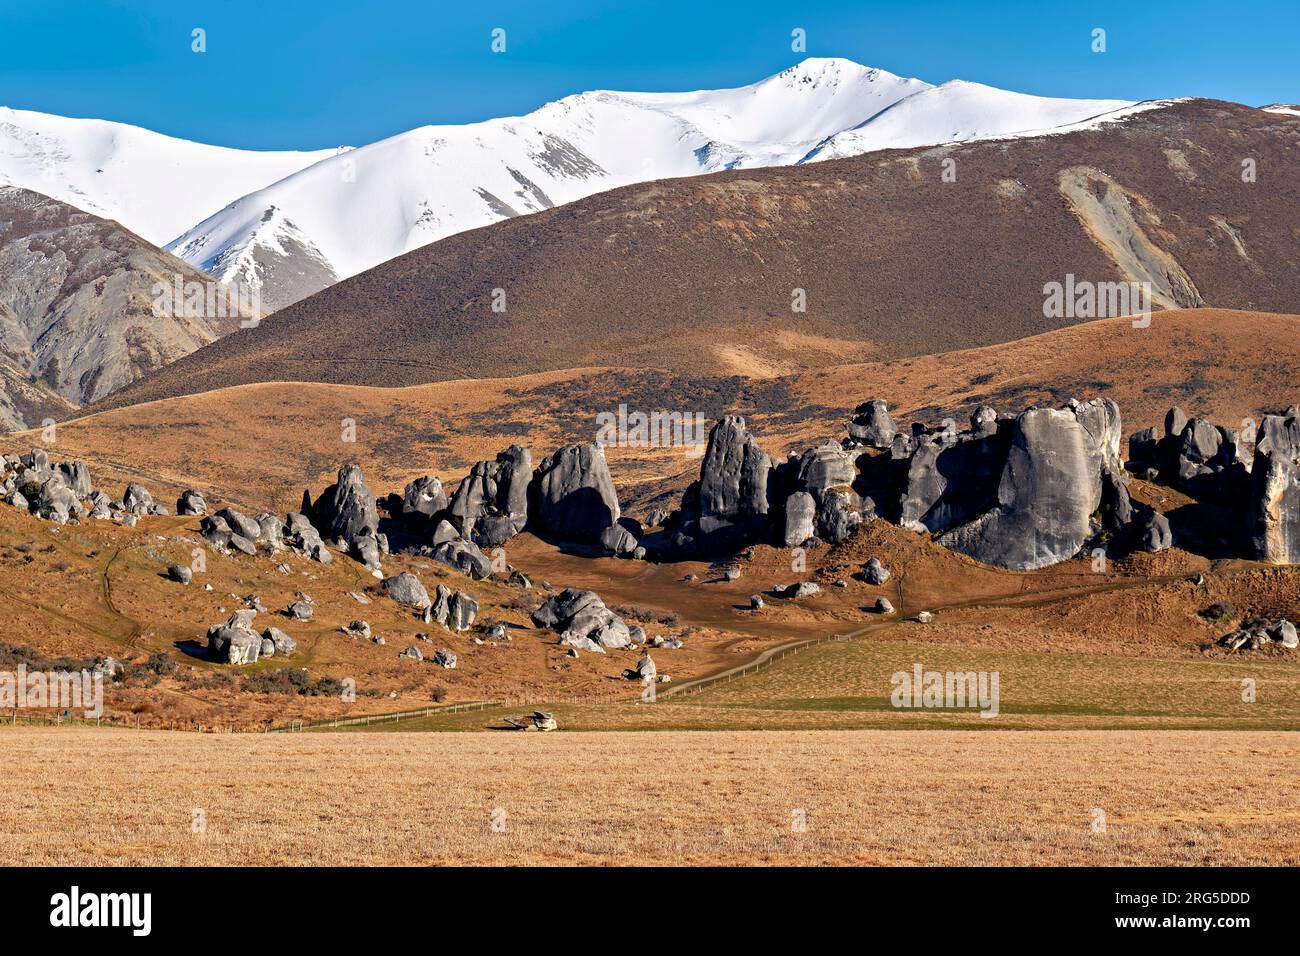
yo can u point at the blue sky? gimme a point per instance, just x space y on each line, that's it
282 74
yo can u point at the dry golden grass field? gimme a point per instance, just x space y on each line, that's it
867 797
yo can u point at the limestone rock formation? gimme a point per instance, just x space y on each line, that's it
872 425
490 505
191 503
573 494
733 482
424 496
1274 506
583 614
406 588
346 510
1049 488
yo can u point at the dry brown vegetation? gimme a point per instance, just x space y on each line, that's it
258 445
696 274
881 798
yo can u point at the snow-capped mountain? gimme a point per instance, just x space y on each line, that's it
286 224
155 185
958 111
353 211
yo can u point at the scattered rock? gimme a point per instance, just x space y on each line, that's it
585 615
875 573
191 503
405 588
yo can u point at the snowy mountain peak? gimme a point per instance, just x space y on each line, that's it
155 185
288 224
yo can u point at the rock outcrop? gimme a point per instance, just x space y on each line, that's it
423 497
572 495
346 510
490 505
406 588
582 614
872 425
1049 487
235 641
1274 506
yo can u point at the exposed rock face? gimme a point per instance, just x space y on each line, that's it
77 477
1193 455
346 510
872 425
77 304
573 494
424 496
405 588
582 614
1049 488
235 641
1274 512
826 474
952 478
1100 418
191 503
800 519
733 482
490 505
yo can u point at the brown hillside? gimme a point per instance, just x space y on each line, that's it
258 445
696 275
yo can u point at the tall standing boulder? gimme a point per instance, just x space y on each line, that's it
1274 508
490 505
1049 488
346 510
733 483
800 519
573 494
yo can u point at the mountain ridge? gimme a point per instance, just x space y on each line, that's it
683 273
